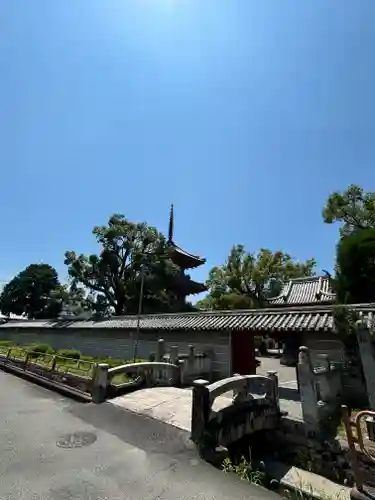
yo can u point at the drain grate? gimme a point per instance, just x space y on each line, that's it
76 440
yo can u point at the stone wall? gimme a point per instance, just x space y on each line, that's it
118 343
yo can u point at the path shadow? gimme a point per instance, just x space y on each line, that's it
289 394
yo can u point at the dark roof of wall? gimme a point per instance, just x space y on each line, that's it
295 319
312 290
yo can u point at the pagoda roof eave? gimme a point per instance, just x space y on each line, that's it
190 259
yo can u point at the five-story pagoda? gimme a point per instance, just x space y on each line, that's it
182 284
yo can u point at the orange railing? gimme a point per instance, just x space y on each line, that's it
356 439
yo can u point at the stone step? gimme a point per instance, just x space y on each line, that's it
310 484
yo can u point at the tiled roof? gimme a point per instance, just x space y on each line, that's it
312 290
308 318
190 260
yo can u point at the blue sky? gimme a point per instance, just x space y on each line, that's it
245 114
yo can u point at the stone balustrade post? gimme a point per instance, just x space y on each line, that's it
53 364
308 392
160 350
366 350
174 355
323 378
274 392
191 355
200 409
367 357
26 361
100 383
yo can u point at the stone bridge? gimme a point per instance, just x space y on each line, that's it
255 407
163 369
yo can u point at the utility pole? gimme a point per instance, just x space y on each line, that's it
140 302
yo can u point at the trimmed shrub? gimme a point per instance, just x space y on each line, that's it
40 349
89 359
6 343
69 353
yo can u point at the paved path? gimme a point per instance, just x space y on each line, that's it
289 397
132 457
172 405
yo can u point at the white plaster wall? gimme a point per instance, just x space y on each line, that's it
118 343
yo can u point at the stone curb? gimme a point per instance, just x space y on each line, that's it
49 384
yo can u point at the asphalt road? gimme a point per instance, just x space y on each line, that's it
119 456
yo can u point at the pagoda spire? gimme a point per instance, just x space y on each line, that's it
171 224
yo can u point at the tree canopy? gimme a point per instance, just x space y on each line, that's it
35 292
247 279
355 268
354 208
114 276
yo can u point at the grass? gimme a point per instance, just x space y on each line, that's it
83 367
244 470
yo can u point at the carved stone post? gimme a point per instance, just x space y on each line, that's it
26 361
191 358
200 409
367 357
366 350
274 393
326 387
308 392
174 354
160 350
182 365
100 383
53 365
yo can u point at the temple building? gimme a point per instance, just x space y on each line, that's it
183 285
298 304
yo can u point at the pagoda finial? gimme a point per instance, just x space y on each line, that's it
171 224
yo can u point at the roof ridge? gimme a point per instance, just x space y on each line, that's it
284 293
309 278
237 312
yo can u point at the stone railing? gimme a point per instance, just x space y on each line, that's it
320 388
143 374
254 406
192 364
163 368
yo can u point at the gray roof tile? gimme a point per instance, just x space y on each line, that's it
312 290
307 318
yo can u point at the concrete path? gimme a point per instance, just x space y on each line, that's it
52 448
172 405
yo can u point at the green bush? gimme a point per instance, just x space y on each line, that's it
6 343
69 353
90 359
40 349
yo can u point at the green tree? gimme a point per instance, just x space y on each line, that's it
35 291
354 208
113 277
247 279
355 268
